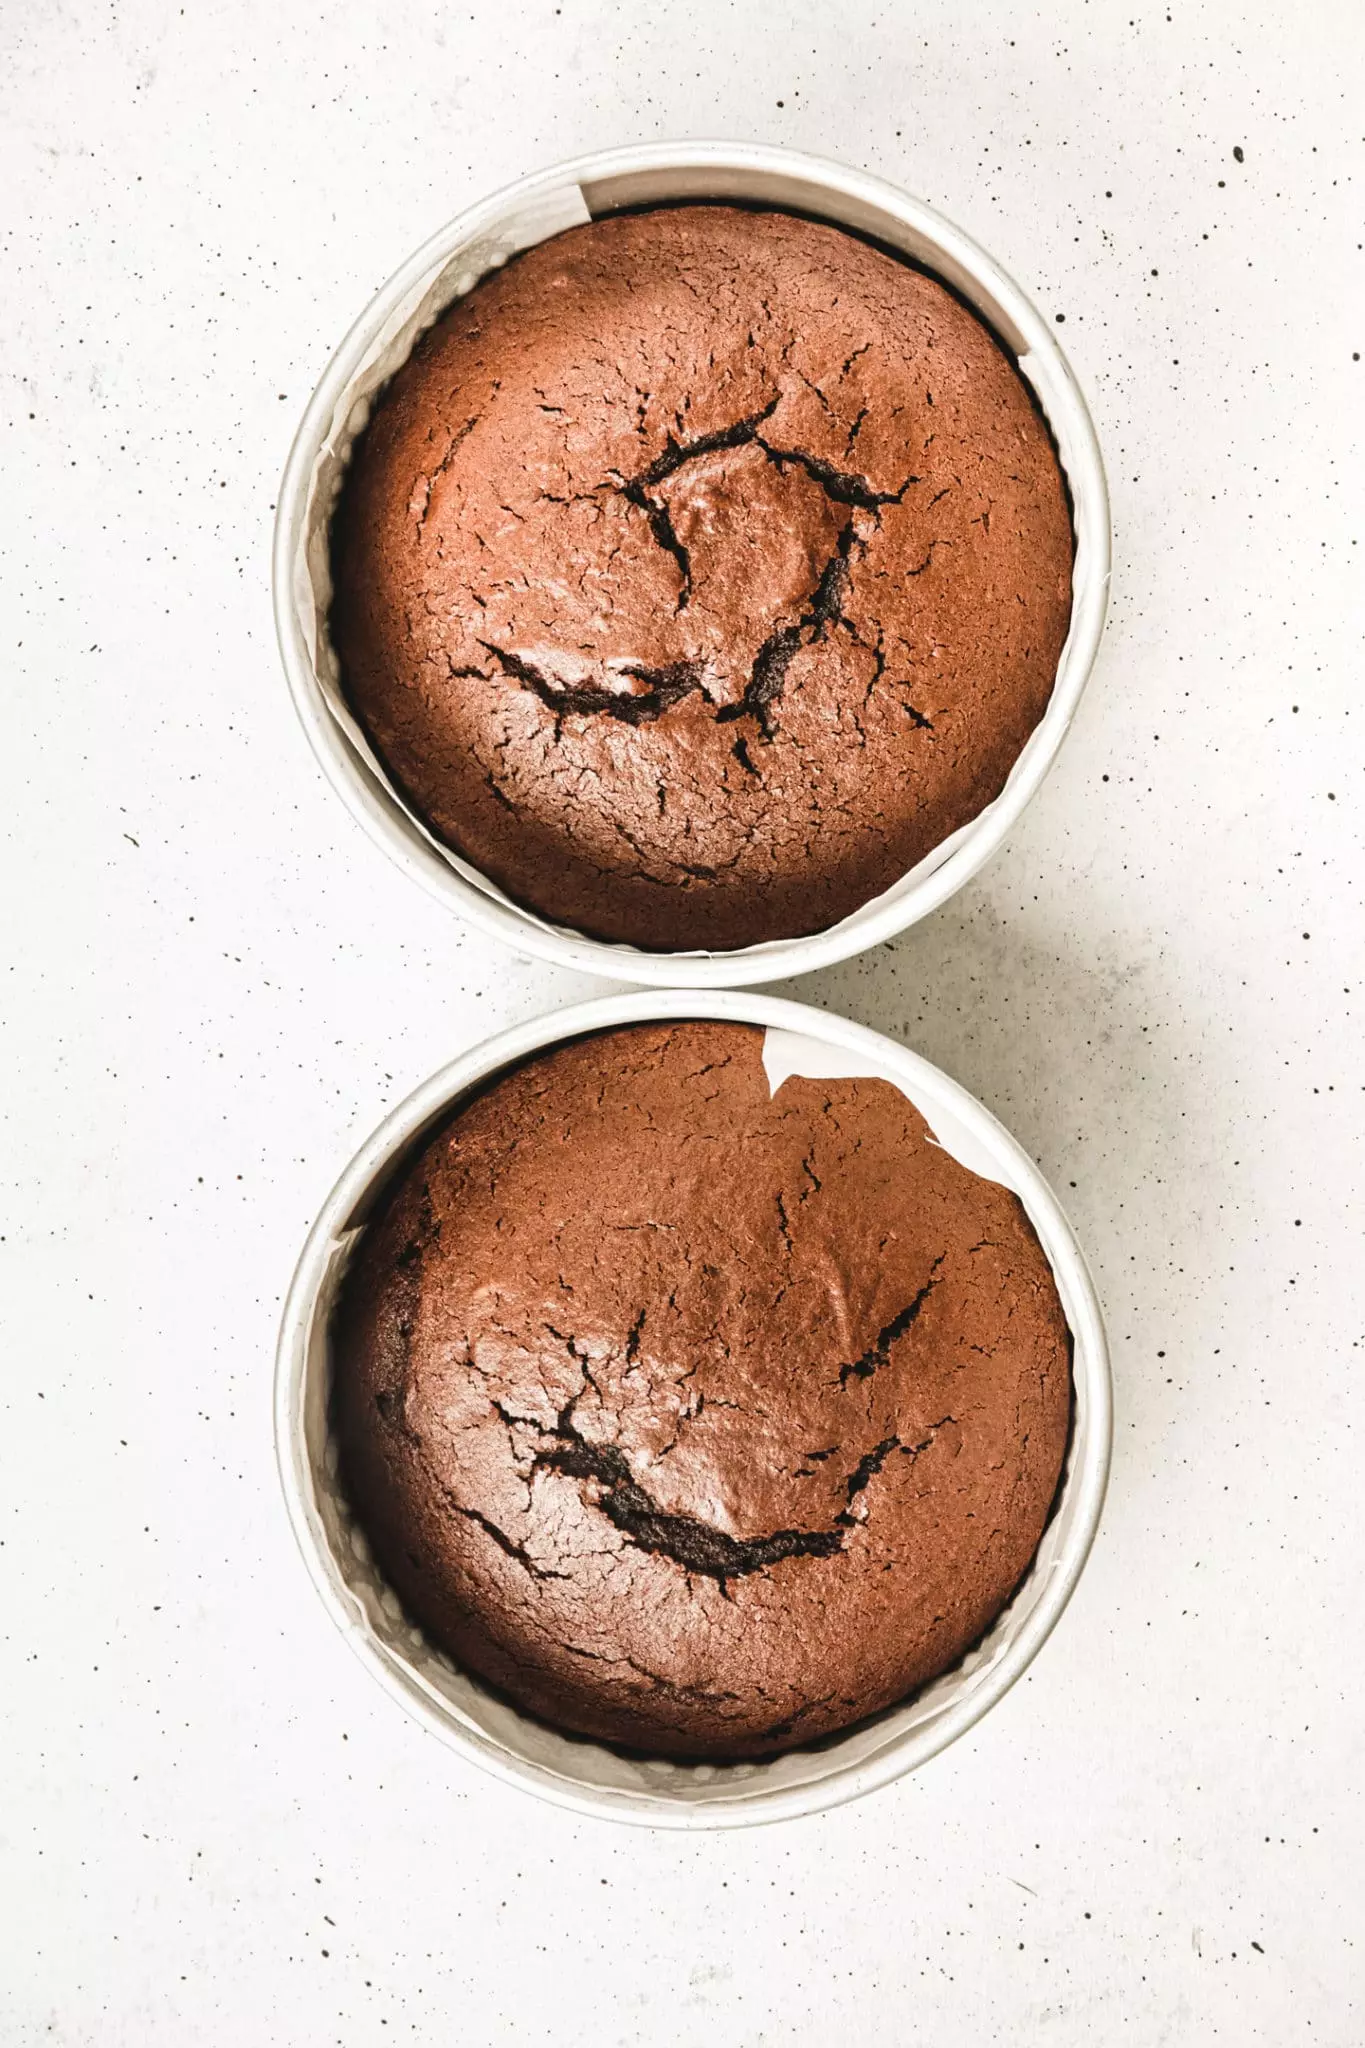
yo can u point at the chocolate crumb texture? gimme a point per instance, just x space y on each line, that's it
697 1419
700 573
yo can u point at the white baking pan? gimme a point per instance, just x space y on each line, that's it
449 265
588 1776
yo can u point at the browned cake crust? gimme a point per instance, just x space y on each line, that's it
701 572
698 1420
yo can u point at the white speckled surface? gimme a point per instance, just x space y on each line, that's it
213 1827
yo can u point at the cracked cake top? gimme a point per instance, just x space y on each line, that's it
700 572
696 1418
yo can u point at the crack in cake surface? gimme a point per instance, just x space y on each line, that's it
878 1353
696 1545
660 688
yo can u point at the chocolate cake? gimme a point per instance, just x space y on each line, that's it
700 572
697 1418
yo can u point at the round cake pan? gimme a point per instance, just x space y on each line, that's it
587 1776
449 265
